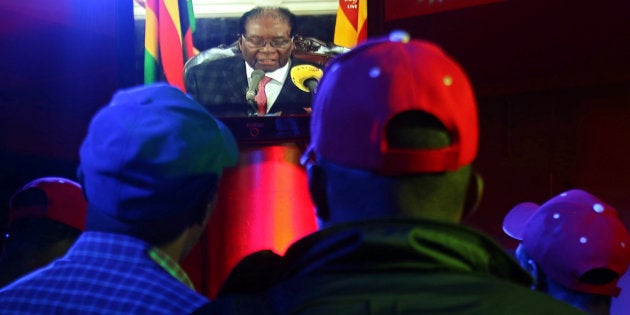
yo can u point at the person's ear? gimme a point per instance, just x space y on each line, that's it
317 189
531 267
210 207
292 47
81 181
473 194
240 43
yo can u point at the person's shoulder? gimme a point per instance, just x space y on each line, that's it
254 273
244 291
211 66
510 298
236 59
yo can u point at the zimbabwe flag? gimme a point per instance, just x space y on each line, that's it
168 40
351 23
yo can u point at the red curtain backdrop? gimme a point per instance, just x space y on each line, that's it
401 9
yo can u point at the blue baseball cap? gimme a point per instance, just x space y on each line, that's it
149 156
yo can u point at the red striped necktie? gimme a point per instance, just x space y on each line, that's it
261 96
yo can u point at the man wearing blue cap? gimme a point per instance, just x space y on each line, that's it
149 165
394 131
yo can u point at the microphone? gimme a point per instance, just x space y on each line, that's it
306 77
253 85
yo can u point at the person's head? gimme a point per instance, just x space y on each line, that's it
574 245
266 40
394 130
150 164
45 218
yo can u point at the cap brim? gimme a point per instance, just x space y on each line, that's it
515 221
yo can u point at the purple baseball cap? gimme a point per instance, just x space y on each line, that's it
571 234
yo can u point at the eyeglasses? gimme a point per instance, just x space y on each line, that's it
257 42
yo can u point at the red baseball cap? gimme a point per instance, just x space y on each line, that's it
64 202
362 90
571 234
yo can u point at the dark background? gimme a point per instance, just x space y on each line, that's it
552 79
553 83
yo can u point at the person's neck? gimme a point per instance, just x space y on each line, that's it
173 249
179 247
589 306
590 303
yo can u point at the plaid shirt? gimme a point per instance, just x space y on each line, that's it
104 273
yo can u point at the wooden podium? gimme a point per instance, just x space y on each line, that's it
263 202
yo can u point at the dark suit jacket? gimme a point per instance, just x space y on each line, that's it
220 86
